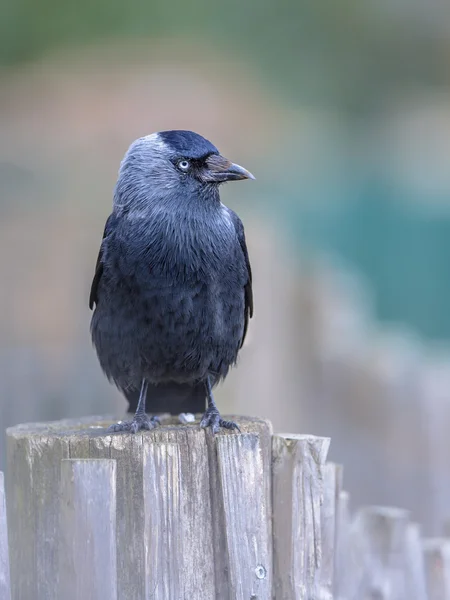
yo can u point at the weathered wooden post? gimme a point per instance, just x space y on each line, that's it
179 514
332 484
177 528
5 588
192 519
415 567
342 549
244 500
298 462
384 550
437 568
87 545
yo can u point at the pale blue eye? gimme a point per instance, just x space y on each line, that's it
184 165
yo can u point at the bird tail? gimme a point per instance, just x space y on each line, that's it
173 398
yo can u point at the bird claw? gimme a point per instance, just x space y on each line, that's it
139 422
212 419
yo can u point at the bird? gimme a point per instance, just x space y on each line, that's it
172 290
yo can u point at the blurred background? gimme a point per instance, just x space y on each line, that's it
342 111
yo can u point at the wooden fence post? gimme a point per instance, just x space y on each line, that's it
243 476
32 496
332 482
437 568
87 547
378 562
5 586
415 567
342 548
205 476
297 465
179 554
177 513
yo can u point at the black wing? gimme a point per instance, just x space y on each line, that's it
248 290
99 264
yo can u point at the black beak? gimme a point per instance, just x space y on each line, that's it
220 169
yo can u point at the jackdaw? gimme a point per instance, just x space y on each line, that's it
173 285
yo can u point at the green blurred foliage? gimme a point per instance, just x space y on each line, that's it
340 53
403 252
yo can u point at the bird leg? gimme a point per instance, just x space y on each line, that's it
140 419
212 417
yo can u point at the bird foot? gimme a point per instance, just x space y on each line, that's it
212 419
139 422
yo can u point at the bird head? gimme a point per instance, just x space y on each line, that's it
195 157
160 164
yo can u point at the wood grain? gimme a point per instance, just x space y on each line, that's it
181 459
87 548
179 554
242 476
298 462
